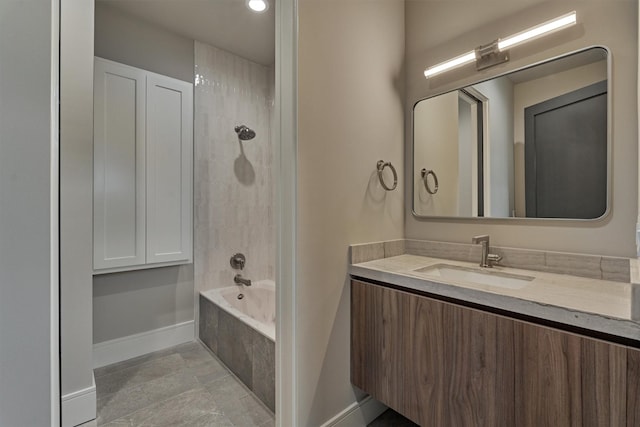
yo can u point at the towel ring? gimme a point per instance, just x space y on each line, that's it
425 175
380 166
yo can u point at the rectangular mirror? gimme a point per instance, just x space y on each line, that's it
529 144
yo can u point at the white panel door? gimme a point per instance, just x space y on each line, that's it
169 169
119 165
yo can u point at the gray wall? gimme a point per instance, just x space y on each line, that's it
610 23
126 39
28 264
138 301
350 104
76 202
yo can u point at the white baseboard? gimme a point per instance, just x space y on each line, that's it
79 407
120 349
358 414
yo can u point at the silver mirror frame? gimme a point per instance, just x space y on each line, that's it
523 220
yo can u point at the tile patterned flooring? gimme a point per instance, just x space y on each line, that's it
184 386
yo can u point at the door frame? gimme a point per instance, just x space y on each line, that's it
481 152
286 131
55 382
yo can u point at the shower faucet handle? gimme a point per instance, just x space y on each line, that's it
237 261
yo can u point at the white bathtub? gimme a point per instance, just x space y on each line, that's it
257 308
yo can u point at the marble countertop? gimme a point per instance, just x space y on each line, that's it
593 304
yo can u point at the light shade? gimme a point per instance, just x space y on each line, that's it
257 5
543 29
452 63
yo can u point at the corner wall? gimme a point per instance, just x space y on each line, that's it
28 214
350 106
610 23
76 211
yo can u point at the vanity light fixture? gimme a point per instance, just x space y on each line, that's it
452 63
258 5
496 52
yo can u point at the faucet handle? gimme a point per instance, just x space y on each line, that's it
494 258
237 261
481 238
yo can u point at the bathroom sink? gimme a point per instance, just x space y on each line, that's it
476 276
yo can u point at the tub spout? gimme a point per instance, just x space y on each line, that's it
241 281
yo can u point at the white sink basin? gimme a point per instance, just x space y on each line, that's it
476 276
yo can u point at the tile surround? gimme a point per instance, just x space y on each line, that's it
264 373
234 208
616 269
591 266
235 346
394 248
246 352
233 193
366 252
208 325
456 251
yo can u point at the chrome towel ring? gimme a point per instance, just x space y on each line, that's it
425 178
380 166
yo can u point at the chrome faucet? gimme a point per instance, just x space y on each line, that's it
487 259
241 280
237 261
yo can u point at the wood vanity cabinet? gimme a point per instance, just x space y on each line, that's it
442 364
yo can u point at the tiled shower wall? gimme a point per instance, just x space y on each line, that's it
234 193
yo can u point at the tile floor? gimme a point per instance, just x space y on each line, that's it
185 386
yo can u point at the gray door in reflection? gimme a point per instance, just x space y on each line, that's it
566 155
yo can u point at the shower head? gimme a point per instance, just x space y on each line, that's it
244 133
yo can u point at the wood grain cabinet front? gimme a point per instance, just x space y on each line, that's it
442 364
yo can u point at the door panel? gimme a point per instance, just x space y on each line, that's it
119 167
566 155
169 169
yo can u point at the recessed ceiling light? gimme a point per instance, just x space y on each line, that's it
257 5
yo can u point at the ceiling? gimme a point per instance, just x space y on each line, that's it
226 24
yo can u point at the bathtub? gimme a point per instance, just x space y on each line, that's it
257 308
241 332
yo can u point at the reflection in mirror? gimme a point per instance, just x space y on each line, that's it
531 144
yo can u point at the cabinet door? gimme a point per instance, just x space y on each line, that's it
633 387
377 342
119 166
564 379
169 169
436 363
